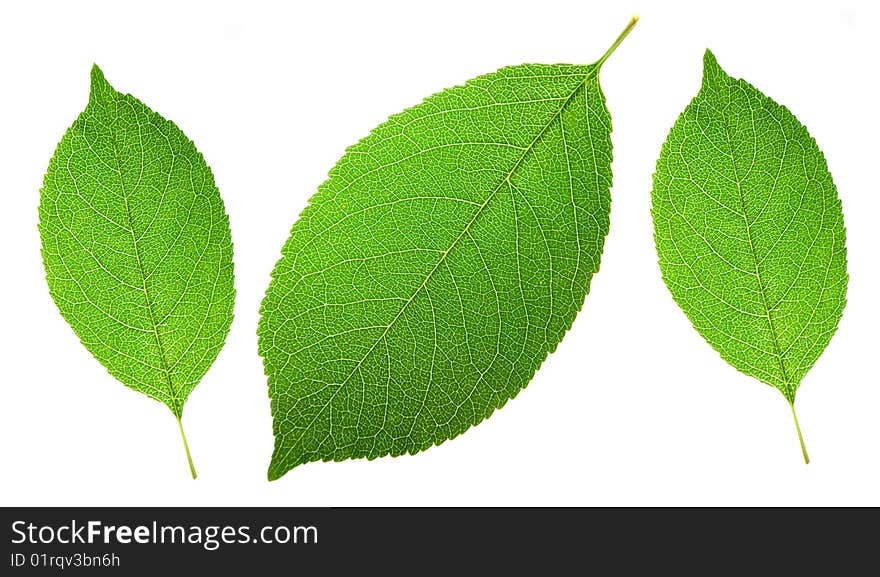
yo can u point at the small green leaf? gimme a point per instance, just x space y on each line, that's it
137 248
749 231
446 255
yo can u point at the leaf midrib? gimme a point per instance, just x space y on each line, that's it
175 407
592 74
788 392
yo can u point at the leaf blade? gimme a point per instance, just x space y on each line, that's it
457 279
749 231
136 246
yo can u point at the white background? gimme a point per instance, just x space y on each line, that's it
634 408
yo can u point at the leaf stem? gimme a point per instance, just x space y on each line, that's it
626 31
800 436
192 468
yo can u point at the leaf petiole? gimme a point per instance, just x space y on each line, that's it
626 31
192 468
800 436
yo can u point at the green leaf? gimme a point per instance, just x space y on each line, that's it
137 248
444 258
749 231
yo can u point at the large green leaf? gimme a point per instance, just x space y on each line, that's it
444 258
137 248
750 232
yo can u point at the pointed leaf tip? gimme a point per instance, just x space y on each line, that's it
710 65
712 71
97 76
99 84
709 58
